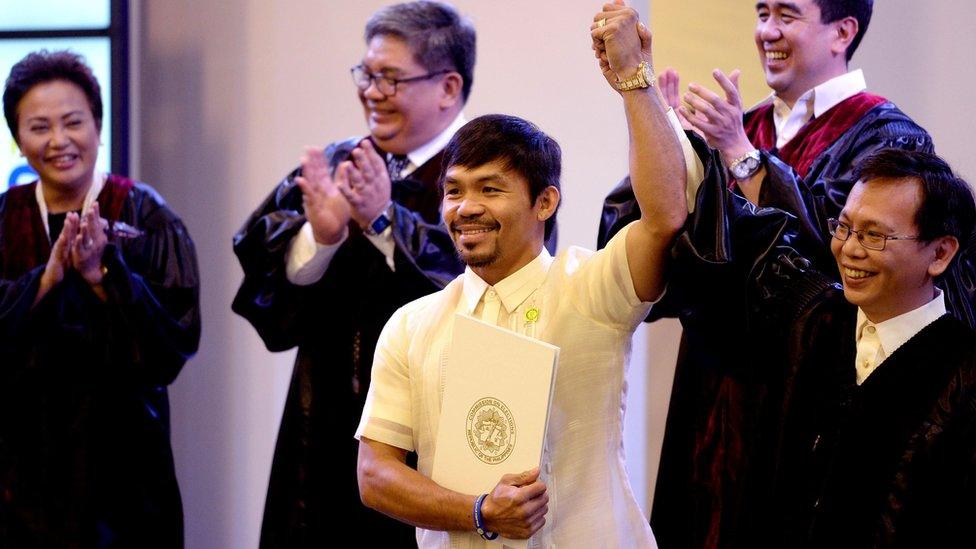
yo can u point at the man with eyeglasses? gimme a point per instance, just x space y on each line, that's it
340 244
865 391
878 438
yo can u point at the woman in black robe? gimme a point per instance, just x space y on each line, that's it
98 314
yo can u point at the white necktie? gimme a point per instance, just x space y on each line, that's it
490 312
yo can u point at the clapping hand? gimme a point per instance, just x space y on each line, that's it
717 118
80 247
326 210
369 188
669 84
59 261
88 245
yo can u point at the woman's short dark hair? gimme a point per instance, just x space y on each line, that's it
45 66
519 144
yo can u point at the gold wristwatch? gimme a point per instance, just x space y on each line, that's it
643 79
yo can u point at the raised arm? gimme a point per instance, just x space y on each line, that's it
657 167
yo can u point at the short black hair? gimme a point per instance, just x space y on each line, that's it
439 37
947 207
835 10
519 144
44 66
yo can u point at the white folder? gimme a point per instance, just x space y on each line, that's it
495 410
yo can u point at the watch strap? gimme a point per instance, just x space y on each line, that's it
643 79
380 222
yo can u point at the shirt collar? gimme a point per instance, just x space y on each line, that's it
513 289
419 156
782 111
826 95
837 89
894 332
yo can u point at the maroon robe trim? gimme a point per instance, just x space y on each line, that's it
25 240
113 195
815 136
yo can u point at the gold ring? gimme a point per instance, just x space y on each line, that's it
601 22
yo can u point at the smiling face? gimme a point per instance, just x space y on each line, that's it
58 135
418 111
496 227
900 278
796 50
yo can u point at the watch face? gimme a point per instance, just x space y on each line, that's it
745 168
379 225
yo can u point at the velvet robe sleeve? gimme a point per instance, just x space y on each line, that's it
153 289
725 244
276 307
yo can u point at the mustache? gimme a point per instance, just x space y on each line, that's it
484 222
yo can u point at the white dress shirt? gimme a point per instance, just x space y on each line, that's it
876 342
587 307
813 103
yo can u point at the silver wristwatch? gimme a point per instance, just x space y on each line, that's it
746 165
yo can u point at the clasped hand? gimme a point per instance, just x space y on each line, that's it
80 247
620 41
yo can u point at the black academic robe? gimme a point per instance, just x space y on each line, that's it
888 463
709 460
85 457
313 492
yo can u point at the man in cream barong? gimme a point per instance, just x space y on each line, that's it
501 193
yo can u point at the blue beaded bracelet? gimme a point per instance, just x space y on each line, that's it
479 524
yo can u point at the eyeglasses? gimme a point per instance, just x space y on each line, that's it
385 84
871 240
